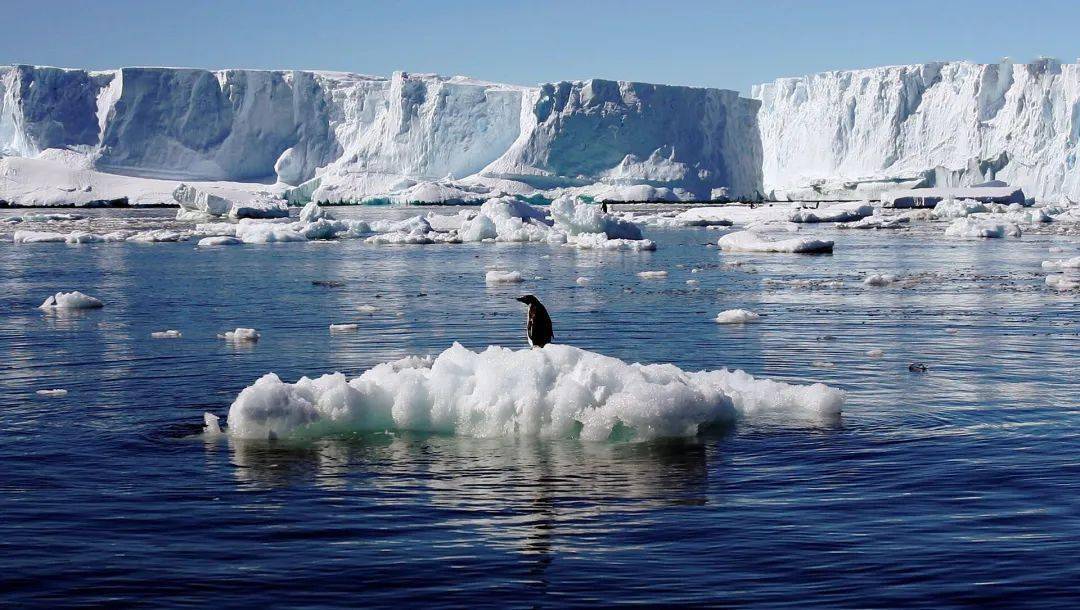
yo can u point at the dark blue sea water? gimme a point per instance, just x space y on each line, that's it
956 487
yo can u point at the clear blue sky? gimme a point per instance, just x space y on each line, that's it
697 42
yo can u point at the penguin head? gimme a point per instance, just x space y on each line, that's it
528 299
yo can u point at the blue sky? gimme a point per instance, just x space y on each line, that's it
718 44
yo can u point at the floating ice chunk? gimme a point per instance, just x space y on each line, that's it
652 275
600 241
240 334
368 309
166 334
736 316
344 328
312 212
971 227
875 353
573 217
158 235
841 212
82 237
220 240
255 232
958 208
196 200
582 281
879 279
1068 263
211 424
877 222
746 241
55 393
693 282
43 218
503 277
1063 282
38 237
71 300
555 392
823 364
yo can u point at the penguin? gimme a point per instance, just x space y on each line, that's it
539 326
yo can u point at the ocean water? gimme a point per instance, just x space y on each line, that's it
955 487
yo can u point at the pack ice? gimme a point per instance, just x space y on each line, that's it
136 133
555 392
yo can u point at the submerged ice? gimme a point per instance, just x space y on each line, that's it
555 392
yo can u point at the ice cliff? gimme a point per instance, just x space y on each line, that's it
347 137
853 134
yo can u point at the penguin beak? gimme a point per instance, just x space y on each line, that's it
521 299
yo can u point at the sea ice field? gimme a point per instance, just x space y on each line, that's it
843 406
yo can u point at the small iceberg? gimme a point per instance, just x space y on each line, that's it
736 316
241 335
71 300
747 241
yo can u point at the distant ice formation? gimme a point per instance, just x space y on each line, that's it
855 134
130 135
555 392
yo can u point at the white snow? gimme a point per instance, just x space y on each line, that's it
555 392
747 241
736 316
503 277
71 300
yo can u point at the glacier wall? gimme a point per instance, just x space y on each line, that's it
349 137
851 134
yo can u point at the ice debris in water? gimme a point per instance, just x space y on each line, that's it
875 353
503 277
582 281
1068 263
312 212
555 392
343 328
220 240
368 309
973 227
71 300
52 393
1063 282
879 279
746 241
652 275
211 424
736 316
240 334
166 334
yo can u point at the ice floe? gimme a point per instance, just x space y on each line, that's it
747 241
166 334
974 227
503 277
736 316
71 300
240 335
54 393
555 392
